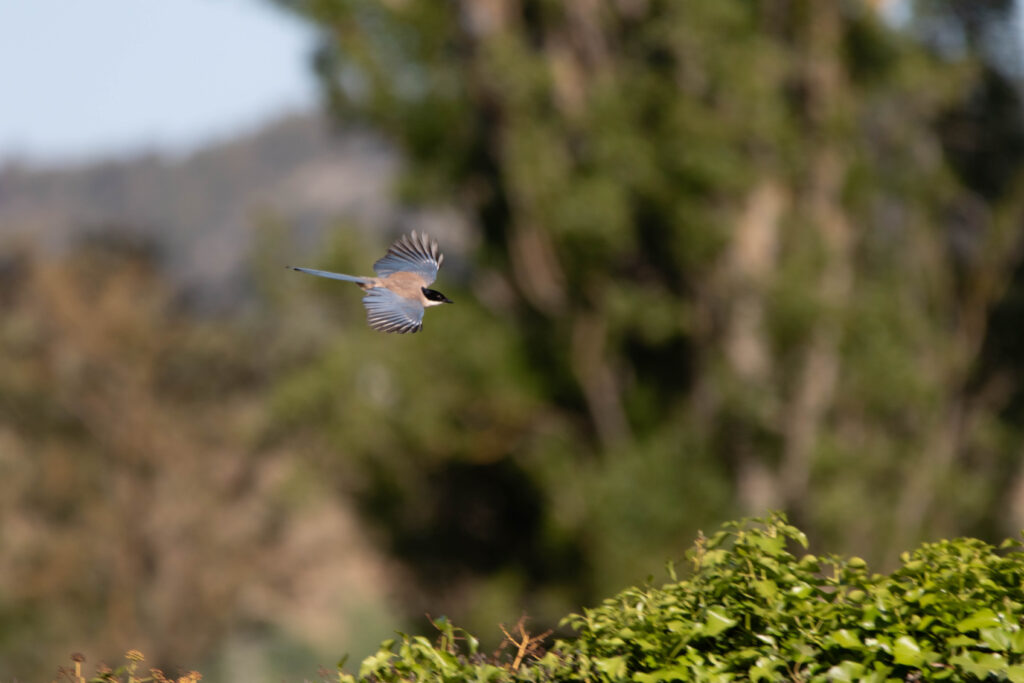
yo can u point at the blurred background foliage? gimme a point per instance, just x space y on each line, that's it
709 259
749 251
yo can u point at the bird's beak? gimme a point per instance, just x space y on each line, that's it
448 301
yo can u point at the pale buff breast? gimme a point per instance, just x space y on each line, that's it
408 285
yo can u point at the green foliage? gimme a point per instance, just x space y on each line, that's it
751 609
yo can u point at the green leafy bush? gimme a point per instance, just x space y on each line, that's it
752 610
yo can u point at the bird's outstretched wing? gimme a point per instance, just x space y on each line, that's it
414 254
388 312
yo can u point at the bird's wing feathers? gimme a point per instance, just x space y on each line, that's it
389 312
414 254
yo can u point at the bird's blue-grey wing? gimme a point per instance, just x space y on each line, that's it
388 312
414 254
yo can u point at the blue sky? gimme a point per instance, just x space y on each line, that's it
80 80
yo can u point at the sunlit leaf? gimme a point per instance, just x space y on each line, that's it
983 618
906 651
718 620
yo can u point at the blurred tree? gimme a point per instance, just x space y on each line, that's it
734 256
138 508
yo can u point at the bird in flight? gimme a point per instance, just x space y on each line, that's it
396 298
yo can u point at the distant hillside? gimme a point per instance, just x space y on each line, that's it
200 212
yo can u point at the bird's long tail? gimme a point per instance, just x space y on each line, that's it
335 276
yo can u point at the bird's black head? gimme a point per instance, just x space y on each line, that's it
434 295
